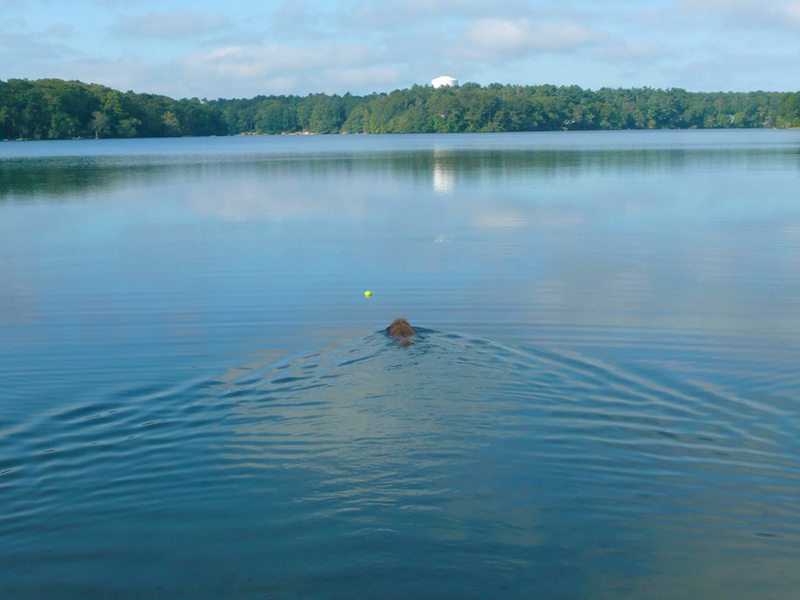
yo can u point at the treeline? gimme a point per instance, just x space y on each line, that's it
56 109
496 107
50 109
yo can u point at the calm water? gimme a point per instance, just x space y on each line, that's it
603 401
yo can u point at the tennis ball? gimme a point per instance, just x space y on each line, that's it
368 294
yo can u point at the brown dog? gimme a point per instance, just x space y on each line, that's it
401 330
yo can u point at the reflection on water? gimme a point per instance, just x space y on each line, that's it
56 168
443 176
198 400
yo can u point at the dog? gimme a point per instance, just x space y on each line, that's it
401 330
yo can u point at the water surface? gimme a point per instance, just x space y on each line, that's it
602 402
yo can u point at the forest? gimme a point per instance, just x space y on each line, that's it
56 109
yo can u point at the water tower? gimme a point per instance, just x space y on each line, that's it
444 81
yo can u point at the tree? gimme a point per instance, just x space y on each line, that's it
56 109
100 123
172 124
789 111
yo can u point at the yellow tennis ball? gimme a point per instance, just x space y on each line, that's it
368 294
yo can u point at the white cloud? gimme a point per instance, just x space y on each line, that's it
61 30
249 62
632 52
737 71
172 24
749 13
296 20
303 46
364 77
120 74
292 15
503 38
251 70
372 19
32 47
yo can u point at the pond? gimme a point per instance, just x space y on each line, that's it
602 398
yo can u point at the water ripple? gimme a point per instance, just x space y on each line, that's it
449 441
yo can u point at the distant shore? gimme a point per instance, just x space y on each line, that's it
56 109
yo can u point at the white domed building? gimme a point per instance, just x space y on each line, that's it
444 81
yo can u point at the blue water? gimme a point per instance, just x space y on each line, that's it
602 401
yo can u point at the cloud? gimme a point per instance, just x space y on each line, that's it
248 62
754 71
32 47
747 13
291 14
391 16
631 52
275 68
508 38
302 46
61 30
120 74
172 24
295 20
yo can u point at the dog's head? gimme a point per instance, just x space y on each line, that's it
400 328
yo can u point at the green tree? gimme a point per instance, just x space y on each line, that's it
101 123
52 108
446 111
789 111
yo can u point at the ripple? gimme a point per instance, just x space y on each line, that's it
522 452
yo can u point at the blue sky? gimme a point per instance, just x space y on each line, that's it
212 49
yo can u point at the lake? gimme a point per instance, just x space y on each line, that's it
602 399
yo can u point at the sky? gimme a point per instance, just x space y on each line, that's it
240 49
